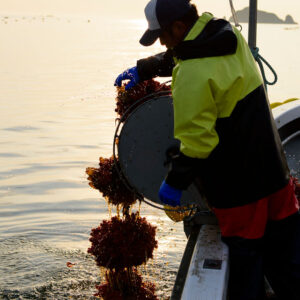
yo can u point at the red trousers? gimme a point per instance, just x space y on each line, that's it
264 241
249 221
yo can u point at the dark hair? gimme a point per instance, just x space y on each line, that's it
189 18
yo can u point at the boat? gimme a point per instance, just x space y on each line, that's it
204 269
143 149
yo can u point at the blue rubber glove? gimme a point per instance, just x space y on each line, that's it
169 195
132 75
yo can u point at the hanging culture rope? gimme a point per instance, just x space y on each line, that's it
124 242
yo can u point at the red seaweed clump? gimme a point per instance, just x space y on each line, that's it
107 181
125 285
126 98
123 243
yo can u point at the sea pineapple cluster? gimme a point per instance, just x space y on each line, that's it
126 241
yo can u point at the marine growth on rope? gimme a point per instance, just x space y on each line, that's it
125 285
126 99
107 181
121 243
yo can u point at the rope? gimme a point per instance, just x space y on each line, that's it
260 60
235 19
181 210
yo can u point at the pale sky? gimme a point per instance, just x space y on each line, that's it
134 8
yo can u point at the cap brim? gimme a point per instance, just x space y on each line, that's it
149 37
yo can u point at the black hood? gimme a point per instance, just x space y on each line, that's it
216 39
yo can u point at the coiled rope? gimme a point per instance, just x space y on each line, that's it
260 60
255 52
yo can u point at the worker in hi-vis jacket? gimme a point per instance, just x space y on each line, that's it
229 141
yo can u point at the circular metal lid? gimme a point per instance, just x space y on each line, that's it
144 141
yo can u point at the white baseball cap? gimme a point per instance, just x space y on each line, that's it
161 13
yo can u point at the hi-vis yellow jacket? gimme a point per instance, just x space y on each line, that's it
221 116
205 89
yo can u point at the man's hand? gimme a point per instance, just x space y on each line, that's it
132 75
169 195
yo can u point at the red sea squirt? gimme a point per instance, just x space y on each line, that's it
107 181
122 243
126 285
125 99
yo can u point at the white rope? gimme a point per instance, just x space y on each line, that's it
236 22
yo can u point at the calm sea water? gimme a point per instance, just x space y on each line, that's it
56 119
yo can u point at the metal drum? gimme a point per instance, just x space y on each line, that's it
144 146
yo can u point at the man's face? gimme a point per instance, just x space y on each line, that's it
172 36
167 39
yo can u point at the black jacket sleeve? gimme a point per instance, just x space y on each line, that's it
160 64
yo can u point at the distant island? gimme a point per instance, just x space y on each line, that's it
262 17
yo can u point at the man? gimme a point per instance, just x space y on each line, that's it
229 141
